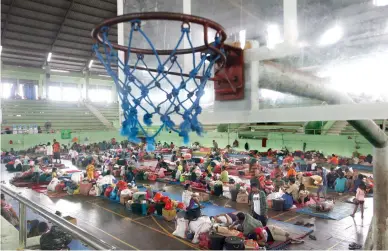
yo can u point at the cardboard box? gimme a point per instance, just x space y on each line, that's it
242 198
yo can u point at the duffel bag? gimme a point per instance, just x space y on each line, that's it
234 243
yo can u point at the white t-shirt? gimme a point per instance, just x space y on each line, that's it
74 154
256 203
17 162
186 197
49 150
313 166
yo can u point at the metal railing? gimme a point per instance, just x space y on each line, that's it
67 226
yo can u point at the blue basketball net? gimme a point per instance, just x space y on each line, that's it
178 98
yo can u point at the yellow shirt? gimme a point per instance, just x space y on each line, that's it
90 168
224 177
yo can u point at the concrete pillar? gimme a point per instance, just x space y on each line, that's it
120 40
380 200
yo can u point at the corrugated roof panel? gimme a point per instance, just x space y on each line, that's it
74 45
69 58
43 8
36 39
30 31
79 24
4 8
24 57
81 53
112 7
23 44
19 52
85 17
84 9
66 62
36 62
68 37
75 31
36 15
8 2
27 22
64 4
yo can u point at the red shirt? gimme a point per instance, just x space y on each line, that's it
56 147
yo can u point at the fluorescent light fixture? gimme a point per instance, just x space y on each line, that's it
90 64
56 70
1 49
242 38
380 2
331 36
102 75
273 36
49 57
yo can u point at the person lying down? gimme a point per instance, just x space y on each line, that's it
322 206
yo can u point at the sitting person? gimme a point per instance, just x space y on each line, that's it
268 234
331 178
193 210
303 195
37 228
340 183
224 177
268 185
245 223
293 190
8 212
186 195
279 183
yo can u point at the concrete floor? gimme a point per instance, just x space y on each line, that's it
117 226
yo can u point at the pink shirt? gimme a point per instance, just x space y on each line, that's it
360 194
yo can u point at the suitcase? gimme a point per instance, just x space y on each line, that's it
278 204
234 243
216 242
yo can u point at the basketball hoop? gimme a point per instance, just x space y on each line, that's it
179 99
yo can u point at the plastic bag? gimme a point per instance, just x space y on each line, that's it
55 239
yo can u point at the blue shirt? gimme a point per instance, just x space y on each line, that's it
340 184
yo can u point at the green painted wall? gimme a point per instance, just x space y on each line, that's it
327 143
24 141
